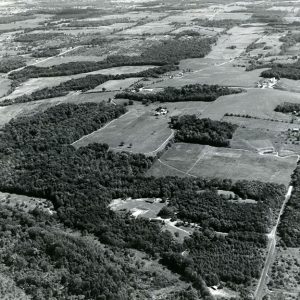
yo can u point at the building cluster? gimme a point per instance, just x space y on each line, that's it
267 83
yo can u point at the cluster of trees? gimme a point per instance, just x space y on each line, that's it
8 64
84 84
37 160
191 129
192 92
288 41
174 50
209 210
288 107
49 52
290 71
36 37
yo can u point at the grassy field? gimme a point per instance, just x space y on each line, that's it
206 71
4 86
67 59
116 85
256 102
138 131
238 36
26 203
205 161
255 139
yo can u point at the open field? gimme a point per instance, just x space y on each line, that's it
256 102
116 85
137 131
67 59
263 138
239 37
205 161
26 203
212 72
288 85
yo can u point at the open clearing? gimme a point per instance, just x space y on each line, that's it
205 161
137 131
116 85
256 102
26 203
239 37
212 72
263 139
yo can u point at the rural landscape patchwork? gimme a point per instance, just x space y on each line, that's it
149 149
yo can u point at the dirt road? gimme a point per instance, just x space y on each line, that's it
259 292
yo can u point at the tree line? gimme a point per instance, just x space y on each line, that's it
83 84
192 92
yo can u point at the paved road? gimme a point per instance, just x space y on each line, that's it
259 292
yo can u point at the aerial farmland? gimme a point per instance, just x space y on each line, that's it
149 149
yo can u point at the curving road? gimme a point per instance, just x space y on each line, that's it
259 292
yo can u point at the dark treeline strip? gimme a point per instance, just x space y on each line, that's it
46 52
36 160
290 71
73 68
193 92
84 84
165 53
288 107
289 227
191 129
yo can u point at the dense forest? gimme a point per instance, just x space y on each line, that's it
289 227
290 71
192 92
47 262
83 84
288 107
191 129
37 160
209 210
11 63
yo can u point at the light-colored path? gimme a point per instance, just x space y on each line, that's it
259 292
